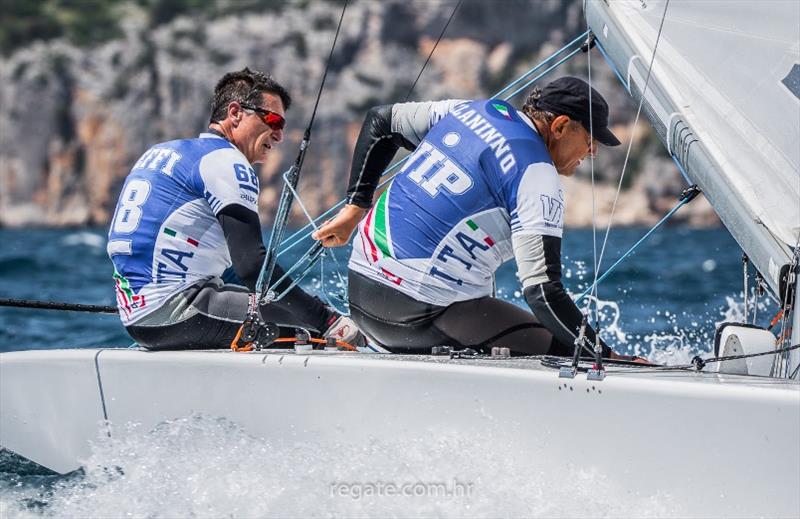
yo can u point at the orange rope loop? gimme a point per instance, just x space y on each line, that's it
340 344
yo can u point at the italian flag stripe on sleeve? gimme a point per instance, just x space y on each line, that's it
381 233
368 226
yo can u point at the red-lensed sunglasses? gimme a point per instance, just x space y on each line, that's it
271 119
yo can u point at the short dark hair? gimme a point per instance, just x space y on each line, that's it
245 87
532 110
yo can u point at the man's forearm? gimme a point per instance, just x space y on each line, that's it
539 270
555 309
242 231
243 234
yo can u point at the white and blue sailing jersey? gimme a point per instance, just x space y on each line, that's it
481 175
165 235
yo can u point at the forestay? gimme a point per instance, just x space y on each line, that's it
724 97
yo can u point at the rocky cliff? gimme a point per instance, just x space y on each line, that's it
74 118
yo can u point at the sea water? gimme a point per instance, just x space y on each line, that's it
203 466
663 302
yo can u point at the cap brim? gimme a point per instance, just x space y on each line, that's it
605 137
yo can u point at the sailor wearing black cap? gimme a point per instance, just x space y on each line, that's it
481 186
571 97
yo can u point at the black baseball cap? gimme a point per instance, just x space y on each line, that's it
570 96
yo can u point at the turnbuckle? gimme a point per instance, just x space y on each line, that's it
597 371
572 370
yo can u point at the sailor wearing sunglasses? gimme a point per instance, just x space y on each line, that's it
188 215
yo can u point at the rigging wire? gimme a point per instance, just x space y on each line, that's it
635 122
594 205
313 253
316 244
430 54
304 232
254 332
597 347
291 179
549 69
785 353
290 193
697 363
687 196
596 261
578 39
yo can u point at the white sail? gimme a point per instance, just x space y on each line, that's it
724 96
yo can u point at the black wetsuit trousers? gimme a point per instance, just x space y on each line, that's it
208 315
404 325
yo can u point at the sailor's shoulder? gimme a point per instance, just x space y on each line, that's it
221 158
541 178
542 171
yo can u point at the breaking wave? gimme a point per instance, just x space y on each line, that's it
204 466
84 238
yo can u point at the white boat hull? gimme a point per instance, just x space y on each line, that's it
724 445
